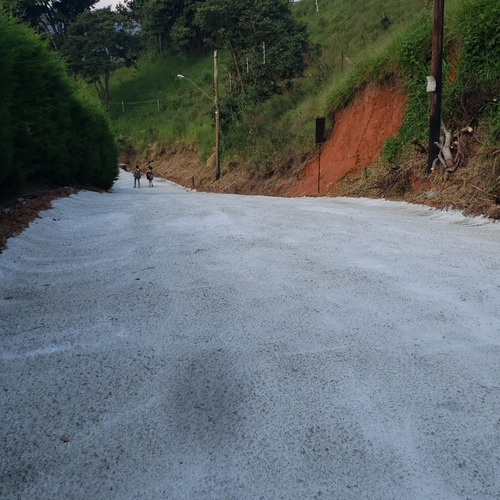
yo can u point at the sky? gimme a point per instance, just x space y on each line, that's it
105 3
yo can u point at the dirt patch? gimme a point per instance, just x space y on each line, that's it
17 213
357 138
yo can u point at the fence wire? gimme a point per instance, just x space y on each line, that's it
148 106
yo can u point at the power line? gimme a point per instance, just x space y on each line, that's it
337 18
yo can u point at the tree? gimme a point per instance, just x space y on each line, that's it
51 18
167 22
266 44
98 43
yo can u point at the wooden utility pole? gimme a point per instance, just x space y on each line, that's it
216 102
437 76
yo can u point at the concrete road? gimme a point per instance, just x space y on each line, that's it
166 344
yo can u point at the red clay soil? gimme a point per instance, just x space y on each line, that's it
356 140
17 213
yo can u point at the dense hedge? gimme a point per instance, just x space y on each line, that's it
48 134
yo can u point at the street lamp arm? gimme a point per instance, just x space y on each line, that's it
182 77
215 101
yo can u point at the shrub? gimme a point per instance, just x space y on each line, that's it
44 126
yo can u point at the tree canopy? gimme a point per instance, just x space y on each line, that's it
167 23
98 43
266 43
52 18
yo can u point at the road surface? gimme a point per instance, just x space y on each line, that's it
167 344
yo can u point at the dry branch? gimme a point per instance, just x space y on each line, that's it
451 143
444 146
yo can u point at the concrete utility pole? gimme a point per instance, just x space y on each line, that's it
216 102
437 76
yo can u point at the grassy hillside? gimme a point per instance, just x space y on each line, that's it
155 114
346 31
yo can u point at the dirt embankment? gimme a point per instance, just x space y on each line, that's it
348 164
358 135
359 132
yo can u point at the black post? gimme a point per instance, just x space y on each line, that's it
437 73
320 139
319 166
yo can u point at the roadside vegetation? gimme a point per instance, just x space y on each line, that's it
349 45
470 112
281 65
49 134
259 129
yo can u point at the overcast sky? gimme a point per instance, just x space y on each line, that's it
105 3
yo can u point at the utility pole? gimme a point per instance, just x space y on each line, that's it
437 76
216 102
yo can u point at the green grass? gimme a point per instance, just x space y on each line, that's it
361 41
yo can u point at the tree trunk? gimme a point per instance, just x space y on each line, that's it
235 61
107 76
101 92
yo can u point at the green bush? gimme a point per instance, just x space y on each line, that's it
96 165
478 30
476 88
412 54
11 177
45 127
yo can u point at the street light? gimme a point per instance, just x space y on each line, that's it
182 77
215 100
